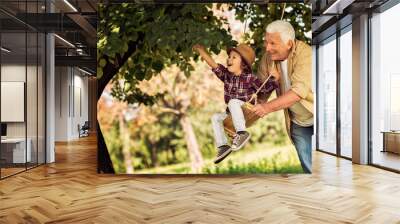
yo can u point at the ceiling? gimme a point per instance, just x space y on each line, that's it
330 15
74 22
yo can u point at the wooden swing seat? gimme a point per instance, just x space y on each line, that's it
249 116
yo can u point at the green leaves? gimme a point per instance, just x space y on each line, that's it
297 14
140 74
157 65
99 72
102 62
161 35
115 29
130 63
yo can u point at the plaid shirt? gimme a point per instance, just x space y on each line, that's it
241 87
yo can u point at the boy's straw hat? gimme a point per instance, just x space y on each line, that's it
246 52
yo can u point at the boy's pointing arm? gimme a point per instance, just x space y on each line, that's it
203 53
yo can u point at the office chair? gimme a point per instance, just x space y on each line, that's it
84 130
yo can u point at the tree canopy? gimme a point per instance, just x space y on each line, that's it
136 41
259 16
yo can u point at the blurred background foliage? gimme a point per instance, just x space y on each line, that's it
155 112
259 16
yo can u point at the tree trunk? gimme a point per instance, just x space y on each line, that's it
193 147
124 134
174 155
104 163
154 160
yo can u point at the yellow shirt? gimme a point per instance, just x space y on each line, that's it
299 73
298 113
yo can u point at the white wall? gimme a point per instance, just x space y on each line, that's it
33 127
61 103
12 73
15 73
50 97
80 110
360 90
71 94
314 88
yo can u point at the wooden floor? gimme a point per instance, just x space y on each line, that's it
70 191
10 171
387 159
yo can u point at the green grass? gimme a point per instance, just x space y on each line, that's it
266 165
261 159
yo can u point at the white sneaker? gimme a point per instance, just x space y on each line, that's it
240 140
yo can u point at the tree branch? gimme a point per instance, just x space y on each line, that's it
170 110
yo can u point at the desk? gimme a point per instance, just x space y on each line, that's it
391 141
16 147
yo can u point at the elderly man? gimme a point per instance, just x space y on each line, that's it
291 59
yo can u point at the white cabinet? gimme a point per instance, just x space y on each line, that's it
18 149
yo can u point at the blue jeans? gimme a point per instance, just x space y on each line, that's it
301 137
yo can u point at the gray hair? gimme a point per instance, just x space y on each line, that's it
284 28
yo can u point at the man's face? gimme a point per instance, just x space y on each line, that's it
276 48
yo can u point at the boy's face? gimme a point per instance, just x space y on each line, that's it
276 48
234 63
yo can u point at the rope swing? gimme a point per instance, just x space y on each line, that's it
283 10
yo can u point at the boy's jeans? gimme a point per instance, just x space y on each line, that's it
235 108
301 137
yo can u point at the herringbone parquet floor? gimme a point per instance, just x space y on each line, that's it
70 191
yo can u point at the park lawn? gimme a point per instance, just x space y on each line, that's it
261 159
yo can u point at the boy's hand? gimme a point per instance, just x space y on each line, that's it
198 48
204 55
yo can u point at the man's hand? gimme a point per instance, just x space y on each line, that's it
282 102
261 109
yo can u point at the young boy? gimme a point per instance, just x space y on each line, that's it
239 86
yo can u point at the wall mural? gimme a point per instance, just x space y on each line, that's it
171 77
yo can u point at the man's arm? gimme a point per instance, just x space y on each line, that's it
284 101
300 85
